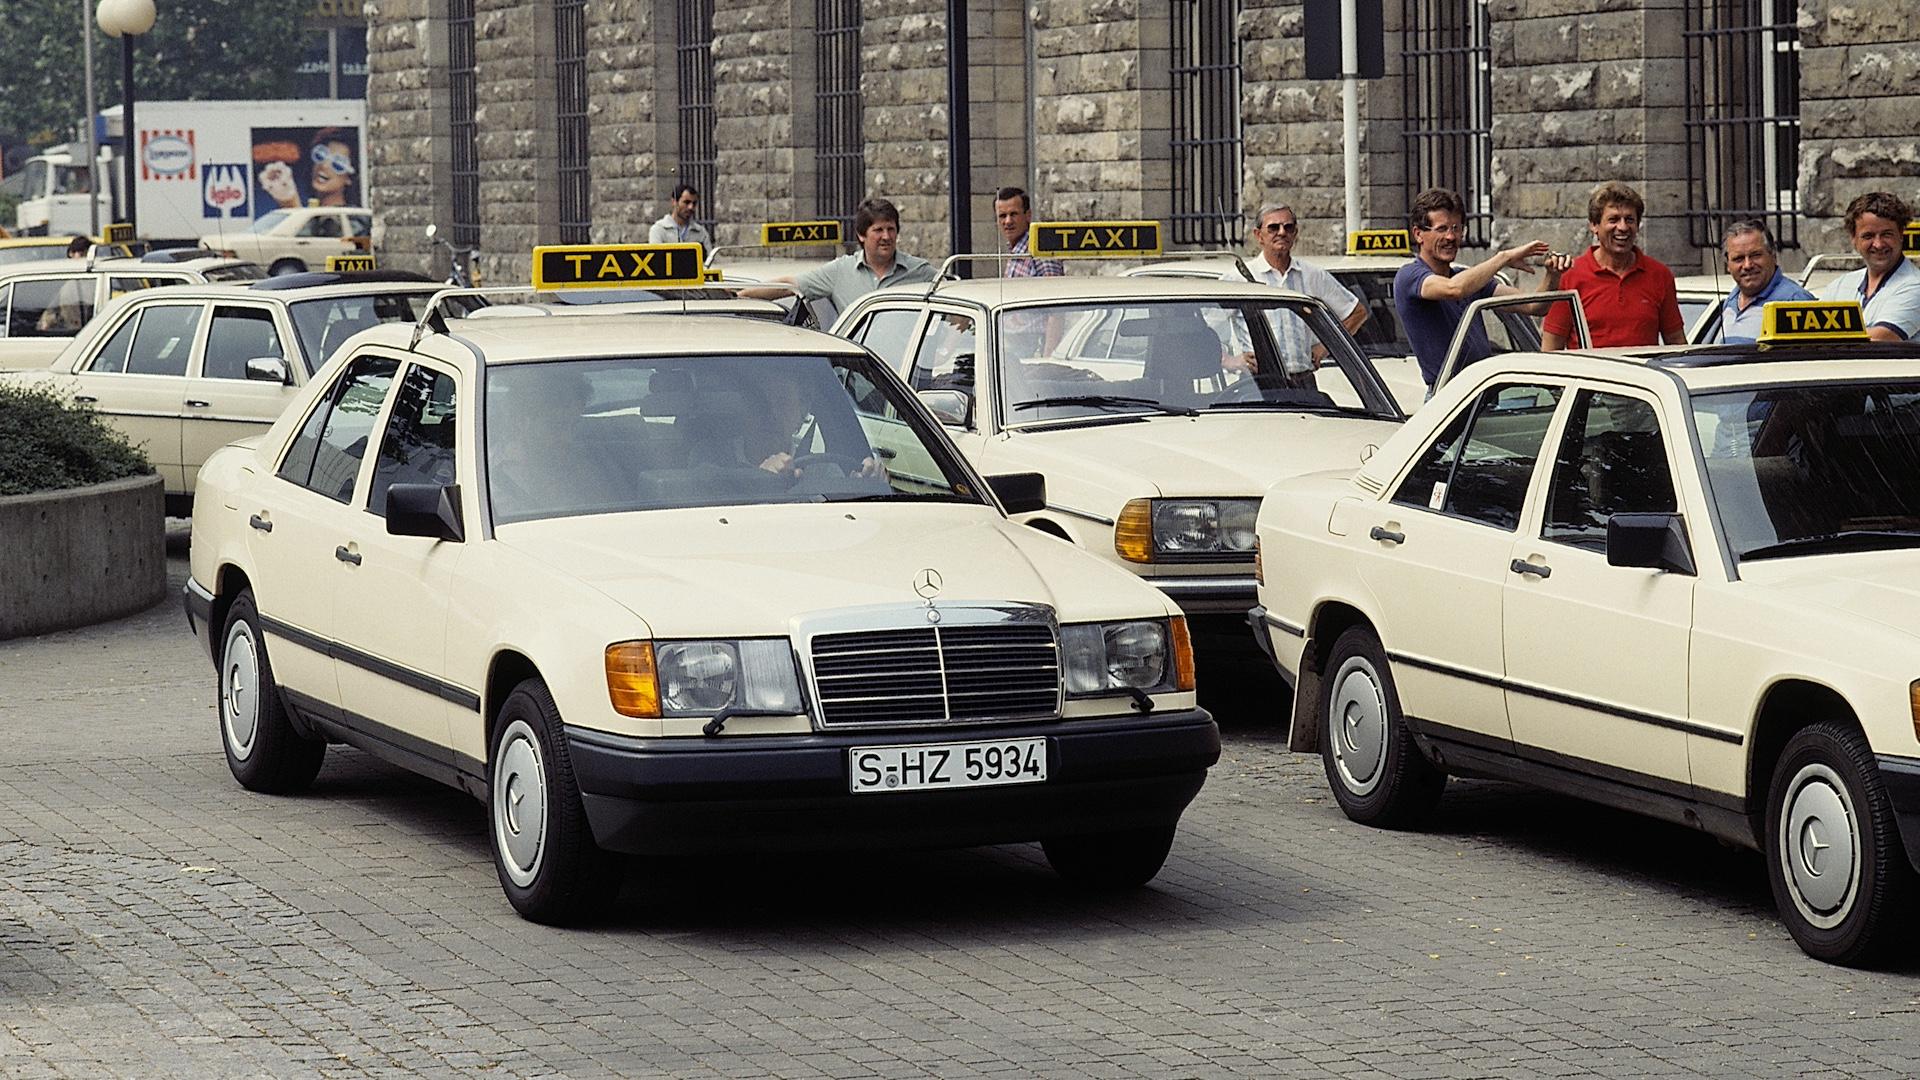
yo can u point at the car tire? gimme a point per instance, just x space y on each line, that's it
1109 861
1839 871
1378 776
264 751
282 267
543 847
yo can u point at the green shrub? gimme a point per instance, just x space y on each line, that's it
47 443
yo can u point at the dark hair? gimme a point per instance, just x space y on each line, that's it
1613 193
1880 204
1006 193
78 245
1753 226
873 210
683 189
1432 199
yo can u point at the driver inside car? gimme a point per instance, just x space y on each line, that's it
787 428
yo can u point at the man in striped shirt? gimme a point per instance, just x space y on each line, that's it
1014 214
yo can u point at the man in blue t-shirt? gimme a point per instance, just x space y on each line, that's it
1754 264
1432 297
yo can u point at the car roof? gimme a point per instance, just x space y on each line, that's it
997 292
569 336
200 263
1716 366
765 309
60 242
243 290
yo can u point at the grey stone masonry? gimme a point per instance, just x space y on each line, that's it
1859 111
756 51
621 105
1101 108
903 84
407 145
515 94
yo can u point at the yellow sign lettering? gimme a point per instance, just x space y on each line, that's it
1812 320
800 232
606 266
577 261
1108 239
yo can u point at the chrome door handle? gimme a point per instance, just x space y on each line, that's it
1391 537
1539 570
344 555
260 523
197 404
88 399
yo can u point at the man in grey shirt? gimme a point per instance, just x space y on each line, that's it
677 225
877 264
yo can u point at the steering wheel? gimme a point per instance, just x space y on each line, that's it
848 463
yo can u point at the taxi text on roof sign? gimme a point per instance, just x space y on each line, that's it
611 266
117 233
800 232
1093 239
1379 242
1812 320
1910 240
341 264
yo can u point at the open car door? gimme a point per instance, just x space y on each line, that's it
1498 324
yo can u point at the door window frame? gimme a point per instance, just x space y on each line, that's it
1526 521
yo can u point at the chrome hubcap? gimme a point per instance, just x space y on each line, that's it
1820 846
520 803
240 691
1357 725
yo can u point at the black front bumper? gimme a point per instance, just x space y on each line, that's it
791 793
1901 777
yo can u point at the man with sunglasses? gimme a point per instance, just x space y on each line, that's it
1275 230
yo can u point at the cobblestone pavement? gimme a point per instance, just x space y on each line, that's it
157 920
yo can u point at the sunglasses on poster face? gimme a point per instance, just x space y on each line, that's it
333 159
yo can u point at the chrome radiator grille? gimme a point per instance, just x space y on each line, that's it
937 675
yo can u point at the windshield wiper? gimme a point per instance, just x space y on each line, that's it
1305 406
908 496
1850 540
1112 401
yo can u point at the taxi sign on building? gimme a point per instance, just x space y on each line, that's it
1379 242
1812 320
344 264
616 266
117 233
1093 239
800 232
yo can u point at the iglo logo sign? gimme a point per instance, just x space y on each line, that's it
166 155
223 191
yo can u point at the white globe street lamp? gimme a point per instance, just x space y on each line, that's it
126 20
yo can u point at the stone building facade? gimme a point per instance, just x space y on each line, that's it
1094 106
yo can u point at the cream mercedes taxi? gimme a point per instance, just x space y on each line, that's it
721 589
1679 581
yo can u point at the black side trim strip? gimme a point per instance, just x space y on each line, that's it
1568 763
407 677
1279 623
1653 719
408 751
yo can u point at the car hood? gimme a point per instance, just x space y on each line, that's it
1217 454
749 570
1877 586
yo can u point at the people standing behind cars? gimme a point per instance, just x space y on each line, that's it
1275 230
78 246
677 226
1431 297
878 264
73 306
1629 296
1013 212
1753 262
1888 287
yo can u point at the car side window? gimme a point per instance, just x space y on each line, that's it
418 446
360 224
6 301
112 357
888 334
1480 465
326 455
52 307
235 336
118 286
1612 460
163 339
946 355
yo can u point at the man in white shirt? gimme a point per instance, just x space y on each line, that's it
1888 287
678 226
1274 232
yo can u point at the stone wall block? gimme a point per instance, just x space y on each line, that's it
1856 22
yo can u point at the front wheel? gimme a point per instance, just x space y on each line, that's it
1378 776
1839 872
1110 861
264 752
543 848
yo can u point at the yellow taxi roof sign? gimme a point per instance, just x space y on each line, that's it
1379 242
800 232
1910 240
118 232
341 264
1812 320
1093 239
712 273
616 266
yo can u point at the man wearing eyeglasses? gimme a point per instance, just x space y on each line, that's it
1432 297
1275 230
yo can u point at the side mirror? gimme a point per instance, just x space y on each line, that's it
269 369
951 407
1650 541
428 510
1020 493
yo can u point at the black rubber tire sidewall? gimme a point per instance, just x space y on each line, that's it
283 761
1409 783
576 879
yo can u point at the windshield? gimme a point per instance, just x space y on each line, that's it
1106 358
24 253
268 220
1381 334
1805 469
575 437
323 324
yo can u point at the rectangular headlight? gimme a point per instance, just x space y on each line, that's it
1107 658
1204 526
701 678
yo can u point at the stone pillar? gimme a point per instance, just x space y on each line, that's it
997 85
1859 96
755 43
407 148
515 101
1102 108
621 109
903 87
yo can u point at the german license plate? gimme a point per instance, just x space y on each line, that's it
927 766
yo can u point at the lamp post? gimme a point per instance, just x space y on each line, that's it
126 20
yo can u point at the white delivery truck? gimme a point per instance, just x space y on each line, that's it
204 167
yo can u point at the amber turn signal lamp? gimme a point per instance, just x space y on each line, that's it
1913 701
1182 655
1133 533
632 684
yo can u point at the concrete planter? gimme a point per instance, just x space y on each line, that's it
81 555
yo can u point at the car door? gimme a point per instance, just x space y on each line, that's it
390 608
221 403
1505 329
299 517
1434 556
1596 655
946 357
137 379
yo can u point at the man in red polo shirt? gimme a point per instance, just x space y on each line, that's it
1628 294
